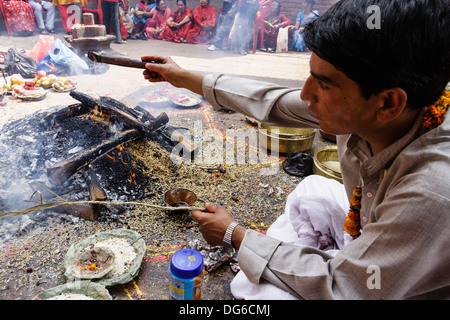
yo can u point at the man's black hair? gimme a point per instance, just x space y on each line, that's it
409 49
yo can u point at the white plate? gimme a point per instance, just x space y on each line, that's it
32 96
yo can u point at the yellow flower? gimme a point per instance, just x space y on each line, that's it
355 202
357 191
92 267
436 112
352 224
354 215
447 93
352 227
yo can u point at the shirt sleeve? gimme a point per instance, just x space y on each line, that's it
265 102
301 270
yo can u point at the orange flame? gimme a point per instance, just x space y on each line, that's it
133 178
111 157
101 114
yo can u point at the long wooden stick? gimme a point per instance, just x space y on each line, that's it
118 61
45 206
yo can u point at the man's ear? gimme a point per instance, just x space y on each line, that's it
393 102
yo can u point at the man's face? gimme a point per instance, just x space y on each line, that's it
337 102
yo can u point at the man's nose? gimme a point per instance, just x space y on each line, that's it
307 93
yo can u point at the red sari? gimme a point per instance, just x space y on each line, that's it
199 34
20 15
271 35
178 34
160 19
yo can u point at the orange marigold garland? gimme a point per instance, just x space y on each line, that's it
435 113
352 223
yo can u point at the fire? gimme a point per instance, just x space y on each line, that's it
101 114
110 157
133 178
117 153
120 149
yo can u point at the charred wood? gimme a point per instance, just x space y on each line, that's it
95 189
117 113
60 172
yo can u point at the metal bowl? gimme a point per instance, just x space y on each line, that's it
285 140
179 197
326 163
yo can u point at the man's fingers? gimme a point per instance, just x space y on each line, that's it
210 208
157 59
198 215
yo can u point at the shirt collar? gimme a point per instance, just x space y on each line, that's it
373 165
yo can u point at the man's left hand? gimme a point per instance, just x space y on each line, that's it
213 223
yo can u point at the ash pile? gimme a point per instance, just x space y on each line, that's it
75 153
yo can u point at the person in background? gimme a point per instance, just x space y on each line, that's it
38 6
178 24
300 22
20 15
384 233
261 15
111 17
242 29
63 6
126 18
272 25
203 31
142 15
225 21
160 16
123 8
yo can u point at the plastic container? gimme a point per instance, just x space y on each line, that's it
186 275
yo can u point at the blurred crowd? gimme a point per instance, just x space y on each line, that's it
240 26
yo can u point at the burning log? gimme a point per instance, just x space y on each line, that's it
84 211
95 189
60 172
119 114
137 118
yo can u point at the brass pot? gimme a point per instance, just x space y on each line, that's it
326 163
285 140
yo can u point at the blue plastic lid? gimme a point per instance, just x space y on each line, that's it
186 263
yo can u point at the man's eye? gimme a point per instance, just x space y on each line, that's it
322 85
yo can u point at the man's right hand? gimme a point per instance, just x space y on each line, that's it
160 69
